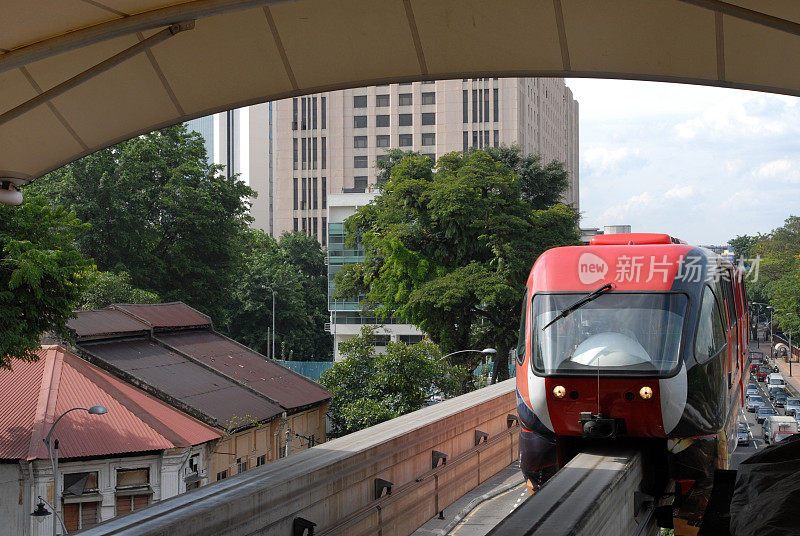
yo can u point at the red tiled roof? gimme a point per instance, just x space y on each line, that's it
289 389
105 322
165 315
35 394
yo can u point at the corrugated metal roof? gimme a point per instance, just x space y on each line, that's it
289 389
35 394
165 315
212 394
104 322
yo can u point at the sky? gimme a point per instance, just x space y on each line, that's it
699 163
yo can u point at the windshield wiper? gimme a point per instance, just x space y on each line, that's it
580 303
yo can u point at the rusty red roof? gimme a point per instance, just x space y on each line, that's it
35 394
105 323
289 389
175 377
165 315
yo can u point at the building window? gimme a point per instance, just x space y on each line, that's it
323 111
474 105
380 340
314 154
465 141
429 81
429 98
405 120
79 512
324 193
80 515
359 101
382 120
406 99
382 158
496 104
294 114
429 138
497 138
132 490
404 84
324 231
359 121
382 140
313 112
324 155
405 140
432 156
242 465
465 106
360 182
428 119
316 228
486 105
486 138
303 154
314 190
303 221
475 138
303 118
295 194
295 153
305 193
410 339
262 460
360 142
295 230
359 162
381 101
224 474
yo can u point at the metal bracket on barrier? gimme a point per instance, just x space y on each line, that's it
380 485
299 526
511 420
436 457
480 436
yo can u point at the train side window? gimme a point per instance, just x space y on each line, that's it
523 317
710 337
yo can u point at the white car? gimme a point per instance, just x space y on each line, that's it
791 407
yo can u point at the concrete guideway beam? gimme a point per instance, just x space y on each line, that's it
593 494
335 481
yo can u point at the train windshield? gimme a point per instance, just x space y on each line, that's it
619 333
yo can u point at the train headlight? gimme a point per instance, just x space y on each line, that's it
646 392
559 391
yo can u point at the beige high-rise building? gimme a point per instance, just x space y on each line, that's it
329 143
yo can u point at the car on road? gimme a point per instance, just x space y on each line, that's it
791 407
754 402
763 372
752 390
752 385
778 427
763 412
775 391
780 400
743 435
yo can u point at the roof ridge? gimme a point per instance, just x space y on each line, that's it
48 397
104 381
166 345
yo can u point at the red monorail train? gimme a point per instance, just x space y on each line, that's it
637 337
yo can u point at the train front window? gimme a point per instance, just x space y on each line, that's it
619 333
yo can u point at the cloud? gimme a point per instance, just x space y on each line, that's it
782 169
680 192
744 118
618 214
604 160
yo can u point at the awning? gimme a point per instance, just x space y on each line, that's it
79 75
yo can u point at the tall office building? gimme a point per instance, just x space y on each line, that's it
328 143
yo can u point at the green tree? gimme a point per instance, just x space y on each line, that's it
541 186
369 388
105 288
41 274
294 267
160 212
449 251
744 246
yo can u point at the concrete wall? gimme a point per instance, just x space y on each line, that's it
333 484
13 515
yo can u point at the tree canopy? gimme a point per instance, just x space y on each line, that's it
369 388
448 248
105 288
159 211
42 274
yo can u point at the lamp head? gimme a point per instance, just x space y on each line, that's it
488 351
98 410
41 512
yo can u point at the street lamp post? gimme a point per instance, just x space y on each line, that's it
771 310
485 351
53 446
267 287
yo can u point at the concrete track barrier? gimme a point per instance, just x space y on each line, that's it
333 485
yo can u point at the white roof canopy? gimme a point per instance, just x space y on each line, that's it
79 75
